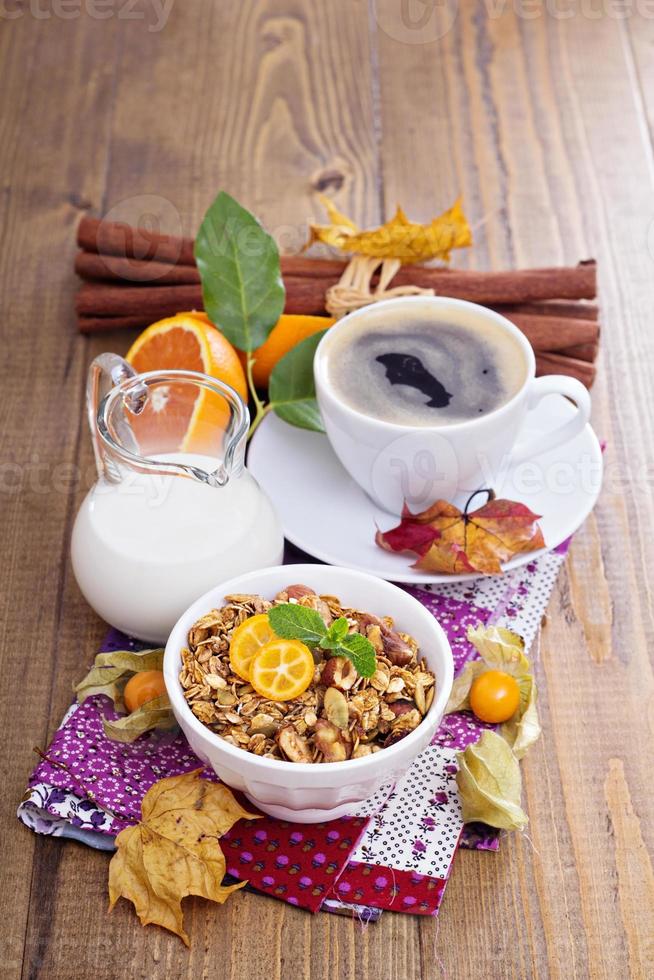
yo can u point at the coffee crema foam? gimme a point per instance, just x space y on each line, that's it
418 371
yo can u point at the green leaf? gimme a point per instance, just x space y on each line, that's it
360 651
292 390
490 784
238 261
338 629
153 714
294 622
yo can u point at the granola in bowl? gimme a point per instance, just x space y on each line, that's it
340 714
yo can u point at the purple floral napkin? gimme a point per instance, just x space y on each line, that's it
396 853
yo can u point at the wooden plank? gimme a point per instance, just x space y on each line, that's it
540 135
542 125
51 169
270 119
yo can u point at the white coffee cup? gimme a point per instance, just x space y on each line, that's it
417 464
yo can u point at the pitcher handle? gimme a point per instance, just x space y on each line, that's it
105 368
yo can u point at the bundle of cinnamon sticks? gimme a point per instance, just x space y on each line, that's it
133 276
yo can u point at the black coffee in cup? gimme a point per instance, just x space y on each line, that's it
421 372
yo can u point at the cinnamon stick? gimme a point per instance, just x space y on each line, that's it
116 268
154 302
547 363
104 324
119 238
149 302
581 309
554 333
488 288
583 352
513 286
94 267
89 324
129 307
141 244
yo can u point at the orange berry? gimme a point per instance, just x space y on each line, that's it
143 687
494 696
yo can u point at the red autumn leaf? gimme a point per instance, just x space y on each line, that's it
408 536
448 540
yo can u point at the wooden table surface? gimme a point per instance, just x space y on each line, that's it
544 124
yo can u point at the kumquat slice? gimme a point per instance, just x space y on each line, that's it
282 670
247 640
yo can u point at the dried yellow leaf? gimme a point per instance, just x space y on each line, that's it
500 649
154 714
174 851
399 238
459 699
490 784
523 729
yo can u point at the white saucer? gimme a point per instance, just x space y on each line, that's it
326 514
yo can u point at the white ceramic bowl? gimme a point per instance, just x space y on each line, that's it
303 792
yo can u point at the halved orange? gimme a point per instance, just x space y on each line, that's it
178 416
247 640
289 330
282 670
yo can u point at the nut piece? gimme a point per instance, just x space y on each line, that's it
263 724
375 636
215 682
419 696
297 591
293 745
401 707
394 646
339 672
257 744
402 726
362 750
336 708
334 744
226 699
381 677
395 685
397 650
310 718
313 601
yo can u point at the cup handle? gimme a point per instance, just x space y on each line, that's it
557 384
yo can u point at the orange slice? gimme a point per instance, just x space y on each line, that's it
182 417
282 670
247 640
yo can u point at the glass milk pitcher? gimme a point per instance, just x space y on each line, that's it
174 510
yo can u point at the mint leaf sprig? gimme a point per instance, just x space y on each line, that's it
294 622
